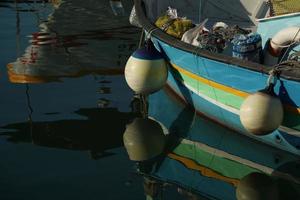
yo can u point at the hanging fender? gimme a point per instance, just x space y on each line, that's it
282 39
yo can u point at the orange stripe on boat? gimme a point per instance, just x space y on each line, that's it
211 83
231 90
191 164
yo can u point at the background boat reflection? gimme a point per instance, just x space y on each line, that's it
69 45
92 41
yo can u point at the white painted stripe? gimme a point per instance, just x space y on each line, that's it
220 153
213 101
278 17
289 131
224 154
237 112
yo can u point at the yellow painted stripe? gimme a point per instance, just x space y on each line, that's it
211 83
231 90
204 170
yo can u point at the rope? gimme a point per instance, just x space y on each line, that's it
216 97
293 42
274 74
168 24
18 49
200 10
294 56
149 33
142 97
141 38
30 109
288 65
273 77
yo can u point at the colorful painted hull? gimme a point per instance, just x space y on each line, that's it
217 90
211 159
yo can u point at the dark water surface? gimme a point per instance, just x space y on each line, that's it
62 117
65 106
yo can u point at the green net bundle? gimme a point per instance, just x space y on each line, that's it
175 27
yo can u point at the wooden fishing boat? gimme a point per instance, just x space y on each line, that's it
217 84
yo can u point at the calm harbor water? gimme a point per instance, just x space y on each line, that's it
61 136
65 105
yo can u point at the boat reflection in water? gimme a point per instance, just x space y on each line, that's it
204 160
78 38
92 41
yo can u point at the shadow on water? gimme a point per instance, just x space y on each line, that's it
102 130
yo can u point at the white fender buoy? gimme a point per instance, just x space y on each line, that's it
282 39
261 113
257 186
144 139
146 71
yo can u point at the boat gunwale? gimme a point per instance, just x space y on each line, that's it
156 32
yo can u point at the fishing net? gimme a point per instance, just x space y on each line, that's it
281 7
172 24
